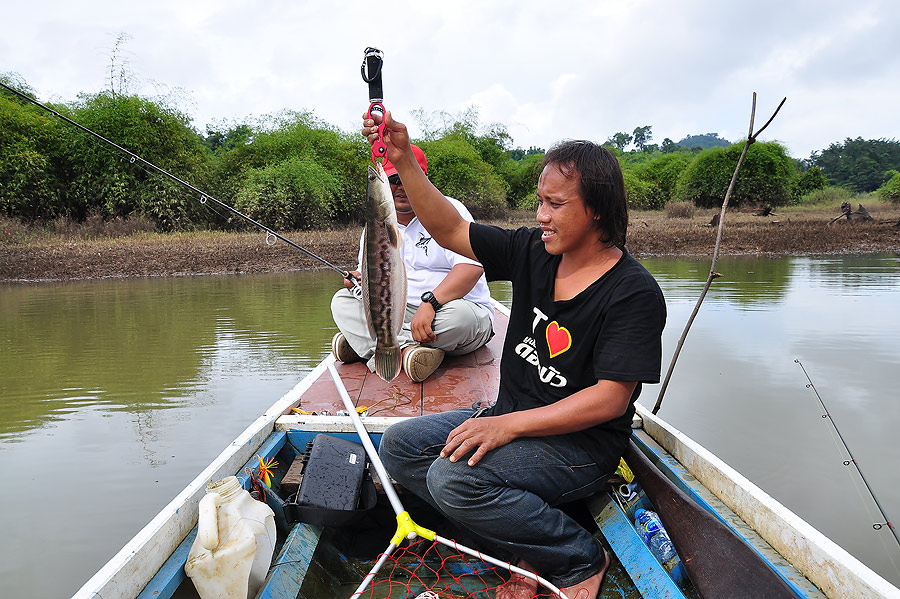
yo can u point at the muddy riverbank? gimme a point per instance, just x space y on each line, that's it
790 232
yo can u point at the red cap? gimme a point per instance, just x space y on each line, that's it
420 158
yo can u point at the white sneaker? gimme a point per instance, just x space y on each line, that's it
342 351
420 362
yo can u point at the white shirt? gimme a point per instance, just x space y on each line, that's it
427 263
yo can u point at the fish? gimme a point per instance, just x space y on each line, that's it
383 275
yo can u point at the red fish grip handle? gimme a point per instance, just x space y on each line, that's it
379 150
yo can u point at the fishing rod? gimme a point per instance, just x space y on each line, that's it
852 460
204 197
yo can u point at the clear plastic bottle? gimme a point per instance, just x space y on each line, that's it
661 546
650 528
647 524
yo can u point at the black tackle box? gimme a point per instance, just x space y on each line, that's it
336 487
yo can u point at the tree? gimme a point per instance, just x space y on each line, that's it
669 146
222 141
619 140
810 180
642 135
858 164
311 169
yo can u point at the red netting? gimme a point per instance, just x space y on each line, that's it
430 570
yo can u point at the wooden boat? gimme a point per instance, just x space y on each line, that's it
729 533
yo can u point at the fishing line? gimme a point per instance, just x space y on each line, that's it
202 196
827 415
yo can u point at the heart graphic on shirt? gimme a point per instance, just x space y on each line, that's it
558 339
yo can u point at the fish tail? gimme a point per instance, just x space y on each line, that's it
388 362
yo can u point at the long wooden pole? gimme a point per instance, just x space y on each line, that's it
751 137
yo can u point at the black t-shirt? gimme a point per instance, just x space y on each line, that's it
612 330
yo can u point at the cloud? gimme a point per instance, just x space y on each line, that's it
580 69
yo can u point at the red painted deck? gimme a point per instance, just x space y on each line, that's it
457 383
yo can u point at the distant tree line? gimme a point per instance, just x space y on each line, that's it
294 171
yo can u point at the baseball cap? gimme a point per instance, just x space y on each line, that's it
420 158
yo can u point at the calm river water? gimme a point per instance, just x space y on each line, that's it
115 394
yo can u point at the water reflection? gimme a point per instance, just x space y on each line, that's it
148 344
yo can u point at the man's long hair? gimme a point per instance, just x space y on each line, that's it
600 183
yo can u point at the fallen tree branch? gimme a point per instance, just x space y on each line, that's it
751 138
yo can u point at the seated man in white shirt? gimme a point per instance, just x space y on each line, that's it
448 304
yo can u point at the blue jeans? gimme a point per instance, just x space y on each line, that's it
509 496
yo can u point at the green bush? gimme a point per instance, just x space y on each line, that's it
457 169
309 146
642 195
298 193
105 181
651 182
827 195
768 176
890 191
522 177
810 180
30 187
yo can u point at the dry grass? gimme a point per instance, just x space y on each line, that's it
801 230
789 231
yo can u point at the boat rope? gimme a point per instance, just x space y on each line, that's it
203 197
827 415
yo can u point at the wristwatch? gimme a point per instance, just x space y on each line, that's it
429 297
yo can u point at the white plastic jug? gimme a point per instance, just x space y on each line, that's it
235 542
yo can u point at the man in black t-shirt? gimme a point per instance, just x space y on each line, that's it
584 333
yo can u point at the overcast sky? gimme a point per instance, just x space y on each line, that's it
547 70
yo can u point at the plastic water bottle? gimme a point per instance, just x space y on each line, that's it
661 547
651 531
647 524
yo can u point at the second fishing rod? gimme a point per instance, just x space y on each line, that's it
202 196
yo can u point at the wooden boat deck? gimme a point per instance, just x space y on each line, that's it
458 383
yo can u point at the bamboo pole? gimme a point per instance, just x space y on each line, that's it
751 138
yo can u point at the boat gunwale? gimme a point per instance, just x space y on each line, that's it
822 561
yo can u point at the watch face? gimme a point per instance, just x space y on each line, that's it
429 297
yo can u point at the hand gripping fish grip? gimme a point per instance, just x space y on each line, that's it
379 150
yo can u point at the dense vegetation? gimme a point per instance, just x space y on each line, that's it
293 171
858 164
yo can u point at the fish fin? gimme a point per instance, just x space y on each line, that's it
388 361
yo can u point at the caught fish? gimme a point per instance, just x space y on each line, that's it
384 275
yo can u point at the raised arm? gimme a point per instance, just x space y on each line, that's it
436 214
